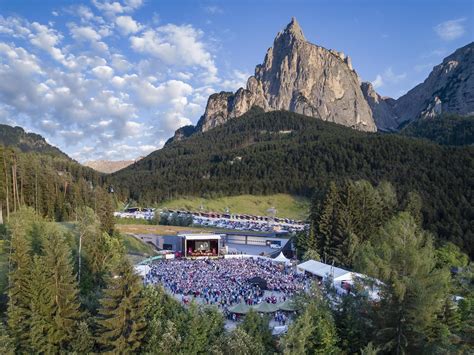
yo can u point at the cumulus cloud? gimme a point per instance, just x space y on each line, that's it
177 46
127 25
451 30
76 82
103 72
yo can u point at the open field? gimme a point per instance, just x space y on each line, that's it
286 205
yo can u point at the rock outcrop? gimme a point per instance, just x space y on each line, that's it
448 89
297 76
382 108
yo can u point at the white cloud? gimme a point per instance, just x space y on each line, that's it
450 30
127 25
95 98
388 77
378 82
103 72
238 80
176 46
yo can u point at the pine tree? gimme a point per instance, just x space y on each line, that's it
121 316
413 290
240 343
314 331
256 327
55 305
326 222
83 342
7 346
19 292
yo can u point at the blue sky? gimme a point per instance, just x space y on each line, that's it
113 79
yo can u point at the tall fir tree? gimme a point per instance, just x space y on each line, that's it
19 279
326 223
314 330
257 328
121 317
412 291
55 305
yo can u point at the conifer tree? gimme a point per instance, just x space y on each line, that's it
55 303
314 331
412 291
83 342
121 316
19 292
240 343
7 346
327 222
256 327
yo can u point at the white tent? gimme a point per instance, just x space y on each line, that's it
324 270
282 259
142 270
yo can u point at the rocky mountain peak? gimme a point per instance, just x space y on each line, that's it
291 33
300 77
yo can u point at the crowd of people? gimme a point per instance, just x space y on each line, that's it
226 282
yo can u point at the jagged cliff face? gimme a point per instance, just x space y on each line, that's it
300 77
382 108
448 89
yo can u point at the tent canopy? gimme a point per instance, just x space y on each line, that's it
288 306
240 308
266 307
324 270
282 258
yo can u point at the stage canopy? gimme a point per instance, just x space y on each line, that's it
195 236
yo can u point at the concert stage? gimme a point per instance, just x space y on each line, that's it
200 245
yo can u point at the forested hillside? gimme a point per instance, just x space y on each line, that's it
263 153
26 142
446 129
54 185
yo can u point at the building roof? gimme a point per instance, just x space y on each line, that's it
324 270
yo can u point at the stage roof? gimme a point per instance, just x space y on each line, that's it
200 236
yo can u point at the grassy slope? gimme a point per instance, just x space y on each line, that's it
286 205
132 245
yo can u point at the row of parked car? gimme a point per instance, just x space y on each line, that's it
219 221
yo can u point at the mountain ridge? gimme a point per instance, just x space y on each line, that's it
449 88
17 137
